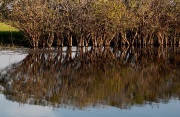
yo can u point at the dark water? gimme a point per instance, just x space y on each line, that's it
92 82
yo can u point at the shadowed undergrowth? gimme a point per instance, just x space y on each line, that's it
15 38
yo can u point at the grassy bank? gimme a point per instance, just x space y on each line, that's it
7 28
10 36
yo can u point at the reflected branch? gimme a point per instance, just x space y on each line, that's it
120 77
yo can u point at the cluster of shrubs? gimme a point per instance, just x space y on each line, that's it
96 22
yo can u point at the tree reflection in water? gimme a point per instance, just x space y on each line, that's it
120 77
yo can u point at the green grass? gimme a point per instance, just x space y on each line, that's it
10 36
5 28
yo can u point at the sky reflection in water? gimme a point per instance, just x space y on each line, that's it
14 109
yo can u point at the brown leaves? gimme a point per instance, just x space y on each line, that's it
96 18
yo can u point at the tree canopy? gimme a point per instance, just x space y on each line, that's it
99 22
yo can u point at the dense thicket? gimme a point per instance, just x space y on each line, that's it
95 22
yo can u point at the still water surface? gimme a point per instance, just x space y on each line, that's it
95 82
